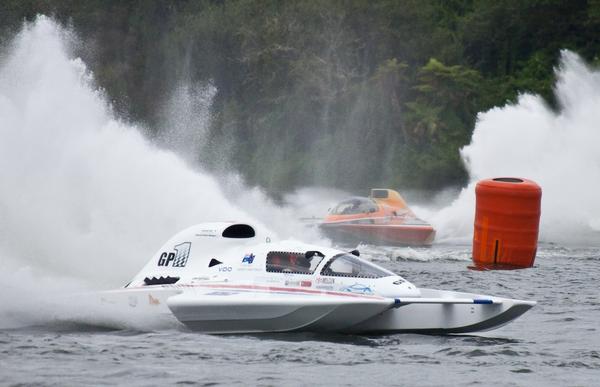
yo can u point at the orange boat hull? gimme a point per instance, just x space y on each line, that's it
390 234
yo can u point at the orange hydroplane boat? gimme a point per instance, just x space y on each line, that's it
382 218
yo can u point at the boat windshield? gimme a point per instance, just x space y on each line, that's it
347 265
355 205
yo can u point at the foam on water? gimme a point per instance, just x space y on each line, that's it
557 149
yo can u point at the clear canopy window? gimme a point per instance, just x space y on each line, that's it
355 206
347 265
290 262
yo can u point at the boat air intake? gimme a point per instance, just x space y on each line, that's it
507 218
239 231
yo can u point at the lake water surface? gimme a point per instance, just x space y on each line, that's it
555 343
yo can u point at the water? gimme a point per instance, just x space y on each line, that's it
86 199
555 343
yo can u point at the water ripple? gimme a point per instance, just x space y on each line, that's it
558 334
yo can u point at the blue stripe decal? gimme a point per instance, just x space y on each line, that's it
482 301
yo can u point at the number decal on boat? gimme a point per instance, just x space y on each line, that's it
178 258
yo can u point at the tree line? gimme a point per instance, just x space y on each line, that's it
345 93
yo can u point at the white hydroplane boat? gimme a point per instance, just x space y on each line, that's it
225 278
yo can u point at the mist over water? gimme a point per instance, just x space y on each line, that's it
556 149
186 117
86 198
84 195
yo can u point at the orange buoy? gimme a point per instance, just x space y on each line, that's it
507 219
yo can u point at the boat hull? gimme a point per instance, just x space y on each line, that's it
389 234
441 318
223 311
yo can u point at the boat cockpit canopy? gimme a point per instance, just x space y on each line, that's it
355 205
348 265
293 262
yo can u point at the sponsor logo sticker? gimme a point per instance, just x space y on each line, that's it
178 258
207 233
359 289
248 259
305 284
324 287
249 268
132 301
325 280
220 293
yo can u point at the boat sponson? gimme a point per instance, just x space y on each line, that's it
446 317
235 312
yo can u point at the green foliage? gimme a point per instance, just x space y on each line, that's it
344 93
441 116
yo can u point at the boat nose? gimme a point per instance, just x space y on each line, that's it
398 287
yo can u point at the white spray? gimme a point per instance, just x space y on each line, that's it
83 195
558 150
186 119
